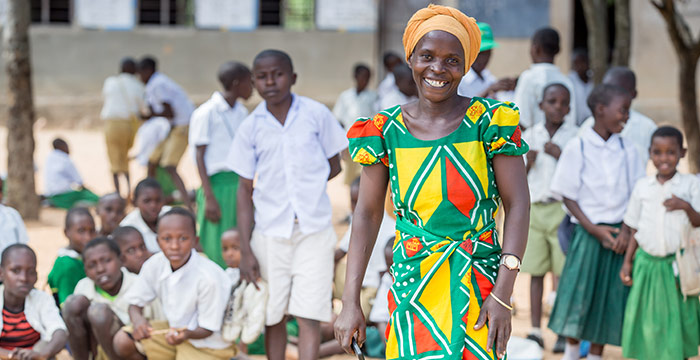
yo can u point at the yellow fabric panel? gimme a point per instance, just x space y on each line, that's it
475 111
430 194
364 157
474 154
433 298
480 335
408 161
505 116
392 347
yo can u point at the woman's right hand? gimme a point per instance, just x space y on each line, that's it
351 321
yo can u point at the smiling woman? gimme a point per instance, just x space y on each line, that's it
450 161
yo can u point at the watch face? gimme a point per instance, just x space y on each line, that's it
511 262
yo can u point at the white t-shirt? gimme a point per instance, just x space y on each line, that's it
351 105
541 172
377 262
60 174
214 124
161 89
387 85
150 238
123 96
291 165
599 179
580 97
528 93
194 295
660 232
393 98
12 229
150 134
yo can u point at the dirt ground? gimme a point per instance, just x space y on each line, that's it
89 154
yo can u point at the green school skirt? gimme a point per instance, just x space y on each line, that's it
166 182
68 200
224 185
591 298
659 324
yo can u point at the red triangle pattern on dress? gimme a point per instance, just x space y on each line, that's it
423 338
458 191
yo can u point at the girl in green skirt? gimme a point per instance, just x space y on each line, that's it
595 175
661 213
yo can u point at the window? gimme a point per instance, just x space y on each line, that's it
270 12
165 12
51 11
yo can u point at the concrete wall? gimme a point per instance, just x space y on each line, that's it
69 65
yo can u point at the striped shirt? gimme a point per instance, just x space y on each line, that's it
16 331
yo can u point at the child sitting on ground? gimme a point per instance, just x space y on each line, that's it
148 198
97 309
111 210
662 211
63 185
193 290
31 326
131 247
12 229
68 268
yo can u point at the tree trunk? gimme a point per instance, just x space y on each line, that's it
596 14
21 193
623 37
689 113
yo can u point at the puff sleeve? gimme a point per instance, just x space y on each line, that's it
366 141
501 132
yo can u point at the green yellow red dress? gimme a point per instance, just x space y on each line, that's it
446 251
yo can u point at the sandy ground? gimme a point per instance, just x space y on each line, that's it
89 153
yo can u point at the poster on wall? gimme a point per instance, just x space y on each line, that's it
106 14
232 15
347 15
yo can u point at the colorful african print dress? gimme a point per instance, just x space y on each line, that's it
446 251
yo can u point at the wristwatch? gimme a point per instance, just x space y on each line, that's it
510 261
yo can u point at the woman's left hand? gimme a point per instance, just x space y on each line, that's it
499 327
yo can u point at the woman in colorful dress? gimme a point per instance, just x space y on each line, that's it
450 161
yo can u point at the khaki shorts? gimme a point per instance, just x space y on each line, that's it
156 348
299 273
119 137
543 252
169 152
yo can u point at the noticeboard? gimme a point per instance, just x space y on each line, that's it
232 15
347 15
105 14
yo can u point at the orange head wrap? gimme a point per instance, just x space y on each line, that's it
448 19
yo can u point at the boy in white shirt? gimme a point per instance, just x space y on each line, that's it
543 252
63 185
212 129
12 229
193 291
387 84
405 90
167 99
123 97
528 91
291 145
583 84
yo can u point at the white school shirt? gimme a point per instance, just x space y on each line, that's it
377 261
473 85
601 181
541 172
637 130
86 287
60 174
660 232
12 229
123 95
214 124
194 295
528 93
351 105
393 98
161 89
41 312
150 238
580 97
291 164
386 85
150 134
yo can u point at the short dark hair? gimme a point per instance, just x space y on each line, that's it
277 54
388 56
147 183
548 39
102 240
128 64
402 71
119 233
181 212
603 94
230 71
76 211
58 142
8 250
360 67
669 131
148 62
559 85
621 76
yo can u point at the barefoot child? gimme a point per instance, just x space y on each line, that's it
595 175
148 198
212 129
662 211
111 210
68 268
291 144
131 247
543 253
97 309
193 291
